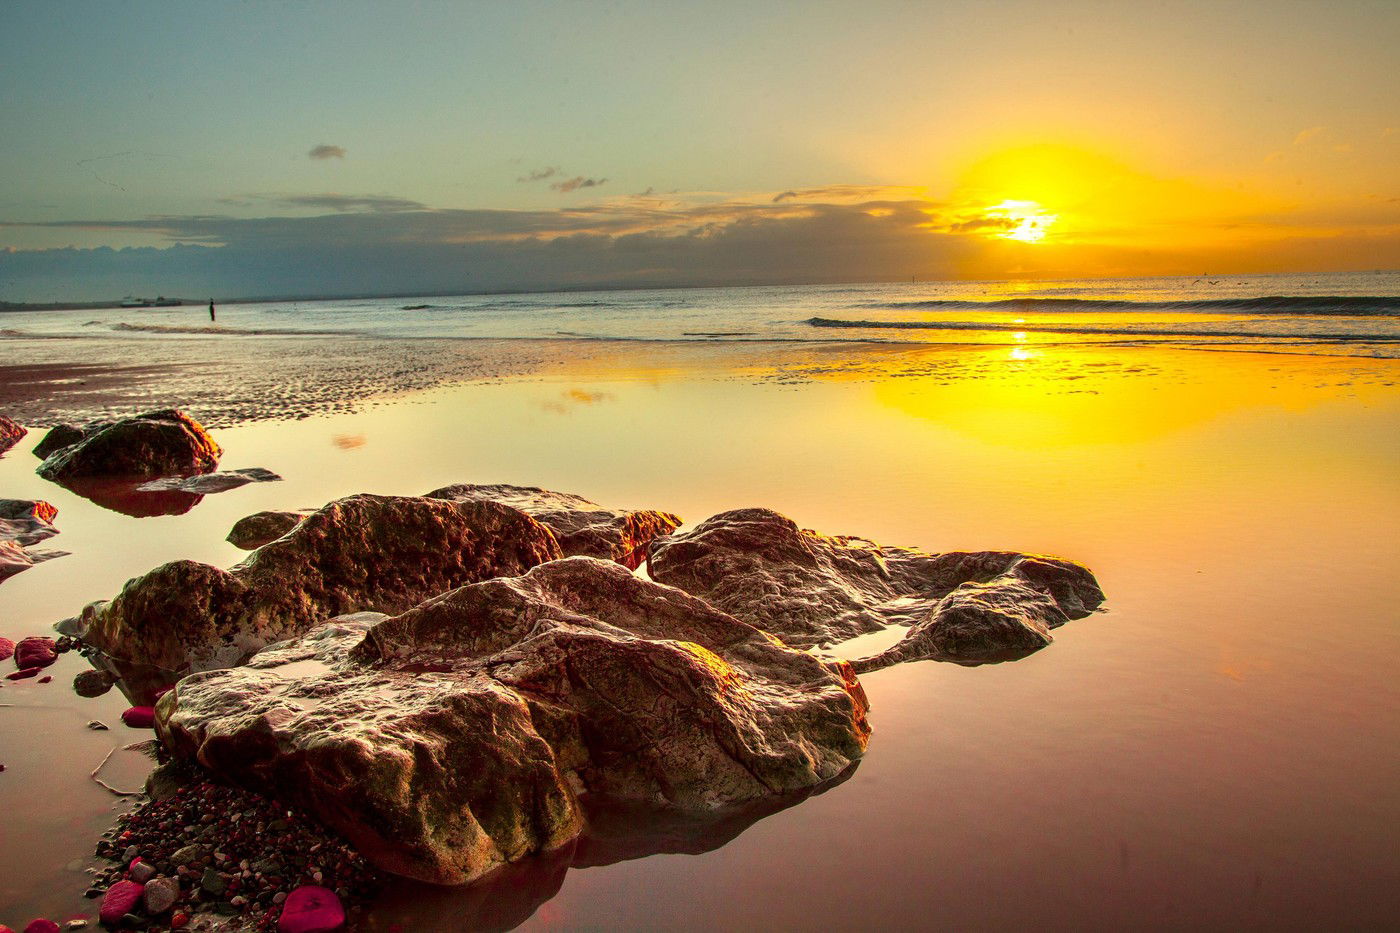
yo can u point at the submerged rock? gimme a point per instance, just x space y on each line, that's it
253 531
11 432
364 552
204 484
455 737
584 528
811 589
158 443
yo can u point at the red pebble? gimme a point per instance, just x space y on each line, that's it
179 920
40 926
7 651
311 909
35 651
45 679
121 899
140 717
23 672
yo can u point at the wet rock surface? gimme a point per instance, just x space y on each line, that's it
813 589
457 736
206 483
364 552
158 443
27 521
253 531
11 433
584 528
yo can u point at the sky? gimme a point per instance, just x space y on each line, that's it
257 149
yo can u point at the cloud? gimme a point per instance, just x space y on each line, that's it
374 203
326 152
783 196
577 182
1308 135
539 174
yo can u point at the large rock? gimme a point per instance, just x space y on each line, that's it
364 552
10 433
158 443
66 434
811 589
584 528
456 736
253 531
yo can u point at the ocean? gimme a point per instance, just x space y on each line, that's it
1341 314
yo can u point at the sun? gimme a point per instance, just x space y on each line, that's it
1026 221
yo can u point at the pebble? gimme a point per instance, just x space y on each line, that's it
41 926
120 899
140 717
97 725
131 854
311 909
161 894
142 871
22 673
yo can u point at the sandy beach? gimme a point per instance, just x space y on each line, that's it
1216 749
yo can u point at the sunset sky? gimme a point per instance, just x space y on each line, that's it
255 149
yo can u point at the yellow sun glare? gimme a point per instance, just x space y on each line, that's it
1026 221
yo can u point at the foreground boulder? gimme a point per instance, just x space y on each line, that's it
364 552
584 528
158 443
253 531
455 737
811 589
10 433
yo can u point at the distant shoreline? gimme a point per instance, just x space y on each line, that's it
20 306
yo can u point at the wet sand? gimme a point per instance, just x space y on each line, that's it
1218 750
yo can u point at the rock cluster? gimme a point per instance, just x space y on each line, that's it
456 736
211 850
813 589
363 552
584 528
158 443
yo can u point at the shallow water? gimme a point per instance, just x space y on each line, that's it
1220 749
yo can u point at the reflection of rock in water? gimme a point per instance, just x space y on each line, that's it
510 895
126 496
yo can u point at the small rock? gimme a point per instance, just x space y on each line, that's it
46 679
77 924
23 673
140 717
311 909
97 725
212 883
120 900
93 683
161 895
142 871
187 854
41 926
130 855
35 651
179 920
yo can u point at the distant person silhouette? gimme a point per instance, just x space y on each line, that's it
211 309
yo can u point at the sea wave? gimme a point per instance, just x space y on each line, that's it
220 330
1110 330
1361 305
